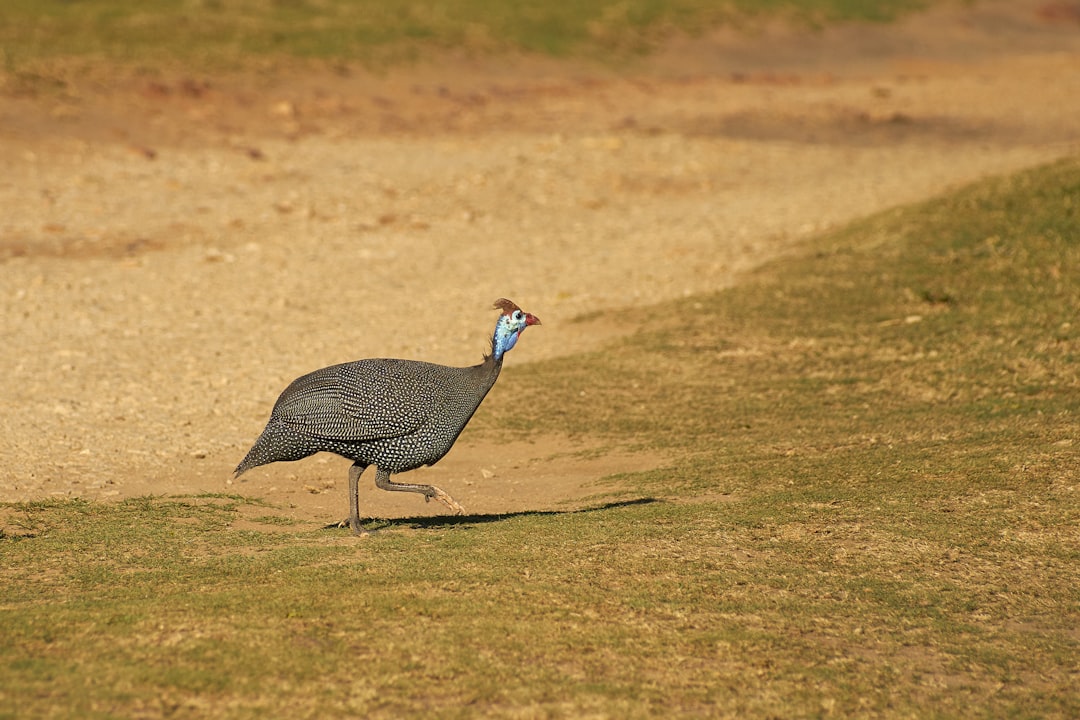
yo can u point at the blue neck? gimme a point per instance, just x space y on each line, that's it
504 339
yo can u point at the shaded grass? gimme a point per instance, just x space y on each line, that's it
871 510
378 31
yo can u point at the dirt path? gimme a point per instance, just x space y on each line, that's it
174 250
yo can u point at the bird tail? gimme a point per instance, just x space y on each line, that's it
275 444
250 460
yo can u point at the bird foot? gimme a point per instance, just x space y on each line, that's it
360 530
446 500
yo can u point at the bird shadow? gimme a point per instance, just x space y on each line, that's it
443 521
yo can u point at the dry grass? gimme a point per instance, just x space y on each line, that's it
871 511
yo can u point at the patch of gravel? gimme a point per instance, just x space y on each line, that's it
157 296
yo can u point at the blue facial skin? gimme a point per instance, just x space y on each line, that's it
507 330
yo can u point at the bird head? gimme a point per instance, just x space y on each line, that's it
511 323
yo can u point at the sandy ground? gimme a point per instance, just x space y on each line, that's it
174 249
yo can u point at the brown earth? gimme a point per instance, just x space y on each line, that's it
175 248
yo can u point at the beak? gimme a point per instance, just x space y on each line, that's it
531 319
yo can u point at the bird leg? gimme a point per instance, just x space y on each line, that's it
383 482
354 498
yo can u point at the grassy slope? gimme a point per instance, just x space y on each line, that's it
374 31
872 509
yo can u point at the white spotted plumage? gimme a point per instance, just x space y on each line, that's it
395 414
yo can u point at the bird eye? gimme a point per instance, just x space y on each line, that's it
517 315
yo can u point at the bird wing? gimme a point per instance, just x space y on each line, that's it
361 401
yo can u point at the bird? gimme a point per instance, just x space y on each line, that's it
397 415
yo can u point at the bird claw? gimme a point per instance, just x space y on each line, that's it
446 500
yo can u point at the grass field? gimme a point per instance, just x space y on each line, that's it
378 31
871 510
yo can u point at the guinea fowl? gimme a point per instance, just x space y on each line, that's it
394 414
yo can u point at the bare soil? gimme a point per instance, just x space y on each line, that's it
176 247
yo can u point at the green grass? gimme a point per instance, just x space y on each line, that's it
866 514
940 331
378 32
870 508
